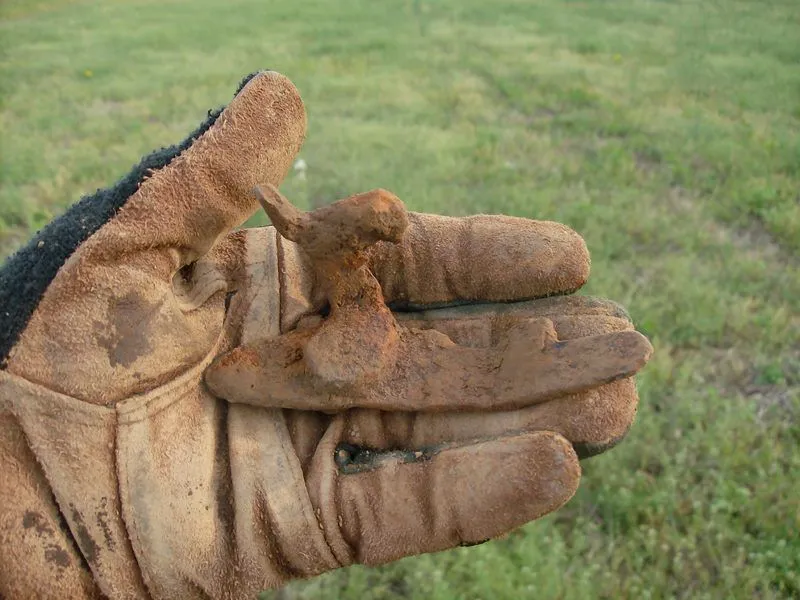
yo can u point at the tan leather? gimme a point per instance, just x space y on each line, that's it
443 259
113 304
38 557
122 475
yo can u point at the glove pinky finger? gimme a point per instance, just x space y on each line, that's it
389 505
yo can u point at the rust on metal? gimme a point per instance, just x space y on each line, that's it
359 355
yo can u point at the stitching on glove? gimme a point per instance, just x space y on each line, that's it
72 409
144 406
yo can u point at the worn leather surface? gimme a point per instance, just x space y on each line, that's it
122 475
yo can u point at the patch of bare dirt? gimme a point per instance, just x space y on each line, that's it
647 162
754 240
736 374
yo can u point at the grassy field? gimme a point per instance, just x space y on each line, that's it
666 132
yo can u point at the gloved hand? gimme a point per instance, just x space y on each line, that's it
122 475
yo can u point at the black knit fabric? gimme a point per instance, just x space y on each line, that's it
26 275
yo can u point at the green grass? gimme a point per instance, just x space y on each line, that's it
666 132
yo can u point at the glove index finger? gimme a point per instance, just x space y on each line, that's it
182 209
483 258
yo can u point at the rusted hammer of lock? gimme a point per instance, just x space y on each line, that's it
360 355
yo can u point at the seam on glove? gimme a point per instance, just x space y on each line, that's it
143 406
77 411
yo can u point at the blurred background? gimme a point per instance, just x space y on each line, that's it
666 132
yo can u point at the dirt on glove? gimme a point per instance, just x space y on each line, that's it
359 355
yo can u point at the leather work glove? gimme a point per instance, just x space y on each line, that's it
122 475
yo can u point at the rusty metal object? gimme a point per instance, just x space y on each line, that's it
359 355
